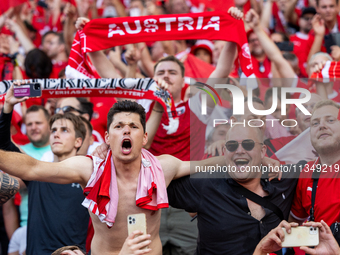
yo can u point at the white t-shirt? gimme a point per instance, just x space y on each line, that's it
18 241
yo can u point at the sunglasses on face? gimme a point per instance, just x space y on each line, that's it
68 108
307 18
247 144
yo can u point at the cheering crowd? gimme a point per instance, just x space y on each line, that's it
82 165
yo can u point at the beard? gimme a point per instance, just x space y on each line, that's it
257 52
327 149
40 142
306 30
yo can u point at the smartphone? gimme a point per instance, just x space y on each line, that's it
285 46
301 236
136 222
336 37
28 90
329 41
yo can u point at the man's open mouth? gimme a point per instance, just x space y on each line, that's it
241 162
126 146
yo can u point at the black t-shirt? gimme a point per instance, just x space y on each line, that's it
223 217
56 217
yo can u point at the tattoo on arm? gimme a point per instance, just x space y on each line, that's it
8 187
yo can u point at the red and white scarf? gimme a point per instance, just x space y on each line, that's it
330 72
102 191
125 88
100 34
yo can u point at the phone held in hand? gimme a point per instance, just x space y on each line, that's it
27 90
136 222
285 46
301 236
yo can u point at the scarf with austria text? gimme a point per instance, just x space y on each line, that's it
101 34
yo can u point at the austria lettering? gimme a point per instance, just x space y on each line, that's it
169 23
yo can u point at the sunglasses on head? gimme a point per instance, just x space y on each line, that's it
247 144
68 108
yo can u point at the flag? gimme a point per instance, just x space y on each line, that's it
102 34
300 148
196 68
6 4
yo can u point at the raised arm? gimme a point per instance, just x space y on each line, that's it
319 29
102 64
290 14
75 169
8 187
225 61
119 8
174 168
271 50
132 56
24 40
266 14
155 117
70 13
146 63
115 57
5 121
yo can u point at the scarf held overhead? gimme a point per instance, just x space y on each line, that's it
101 34
122 88
330 72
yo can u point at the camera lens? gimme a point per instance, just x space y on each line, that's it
130 222
36 86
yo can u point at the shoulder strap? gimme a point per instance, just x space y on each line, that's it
315 178
259 200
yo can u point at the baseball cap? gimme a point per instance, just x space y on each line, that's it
308 10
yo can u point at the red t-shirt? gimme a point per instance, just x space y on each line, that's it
101 107
187 143
327 198
261 71
301 50
57 68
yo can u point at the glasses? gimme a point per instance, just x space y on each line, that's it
68 108
247 144
307 18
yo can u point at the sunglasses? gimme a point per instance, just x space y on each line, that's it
247 144
307 18
68 108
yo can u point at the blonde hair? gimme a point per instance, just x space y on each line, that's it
323 103
65 248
